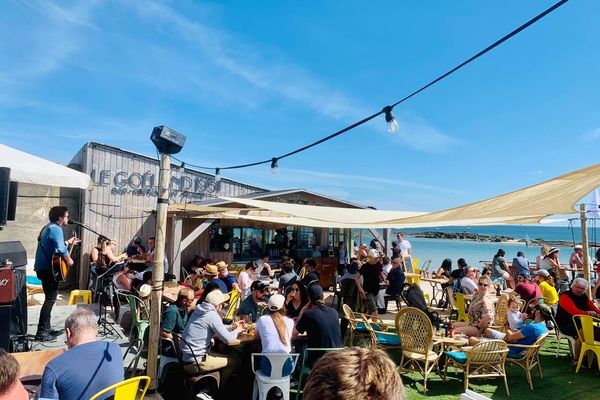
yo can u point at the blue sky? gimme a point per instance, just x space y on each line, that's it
246 81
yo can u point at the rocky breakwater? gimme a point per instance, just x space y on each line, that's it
475 237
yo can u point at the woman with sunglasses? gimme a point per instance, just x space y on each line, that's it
296 299
481 310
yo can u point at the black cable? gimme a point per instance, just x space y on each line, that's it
388 109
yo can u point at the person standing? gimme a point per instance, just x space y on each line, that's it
405 247
372 273
342 257
51 241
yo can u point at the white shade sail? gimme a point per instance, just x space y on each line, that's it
27 168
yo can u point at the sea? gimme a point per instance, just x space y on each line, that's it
474 253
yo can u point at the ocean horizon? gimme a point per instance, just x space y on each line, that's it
474 252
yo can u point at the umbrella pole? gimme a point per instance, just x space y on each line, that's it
584 244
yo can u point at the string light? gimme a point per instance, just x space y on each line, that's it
389 118
387 110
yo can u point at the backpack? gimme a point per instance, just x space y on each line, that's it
413 296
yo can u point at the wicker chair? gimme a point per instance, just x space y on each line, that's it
356 325
416 336
530 359
382 335
501 315
484 360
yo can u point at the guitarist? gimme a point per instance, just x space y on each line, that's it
51 241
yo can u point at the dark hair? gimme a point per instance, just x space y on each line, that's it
265 255
500 253
461 262
102 238
288 266
520 254
341 243
152 238
252 265
56 212
386 260
485 271
447 265
310 262
303 292
9 371
209 287
394 244
147 275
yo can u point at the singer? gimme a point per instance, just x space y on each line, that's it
51 240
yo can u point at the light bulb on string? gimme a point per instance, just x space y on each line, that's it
217 175
274 165
389 118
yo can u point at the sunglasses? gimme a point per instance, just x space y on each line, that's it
483 284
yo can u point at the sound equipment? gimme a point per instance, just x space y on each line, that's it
13 295
4 191
60 268
167 140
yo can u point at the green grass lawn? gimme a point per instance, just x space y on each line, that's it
560 381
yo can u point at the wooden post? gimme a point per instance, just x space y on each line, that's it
158 267
584 244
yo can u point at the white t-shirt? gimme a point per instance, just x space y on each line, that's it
269 337
405 247
244 281
468 285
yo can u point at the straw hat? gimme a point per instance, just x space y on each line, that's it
211 270
216 297
221 265
553 250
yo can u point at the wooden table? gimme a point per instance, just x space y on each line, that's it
32 363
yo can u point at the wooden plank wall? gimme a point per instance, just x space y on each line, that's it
124 216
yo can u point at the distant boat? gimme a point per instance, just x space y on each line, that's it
527 240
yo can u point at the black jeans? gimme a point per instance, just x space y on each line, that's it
50 286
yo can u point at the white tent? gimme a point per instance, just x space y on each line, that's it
27 168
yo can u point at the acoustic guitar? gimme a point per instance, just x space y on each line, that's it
60 268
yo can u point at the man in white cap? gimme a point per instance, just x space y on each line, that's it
371 272
203 325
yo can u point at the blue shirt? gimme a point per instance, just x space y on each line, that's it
522 265
531 333
220 284
229 280
83 371
52 240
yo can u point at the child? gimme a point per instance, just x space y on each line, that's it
514 315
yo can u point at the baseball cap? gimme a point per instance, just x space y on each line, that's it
276 302
258 286
145 290
542 272
315 292
373 253
216 297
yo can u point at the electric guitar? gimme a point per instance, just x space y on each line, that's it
60 268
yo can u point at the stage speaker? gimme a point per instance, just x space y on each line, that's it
13 315
167 140
4 194
15 252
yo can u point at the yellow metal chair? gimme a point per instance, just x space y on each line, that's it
414 262
484 360
129 389
585 331
461 307
234 303
84 295
416 337
530 359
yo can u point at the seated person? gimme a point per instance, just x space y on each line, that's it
11 387
249 306
354 373
575 302
263 267
514 315
289 276
135 248
175 316
526 288
88 366
444 272
123 279
196 263
246 277
395 279
546 284
211 273
296 299
312 276
103 254
468 284
204 324
481 311
527 335
458 274
229 280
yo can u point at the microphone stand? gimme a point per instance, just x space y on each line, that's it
84 226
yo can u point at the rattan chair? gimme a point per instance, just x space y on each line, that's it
484 360
356 325
530 359
382 335
501 315
416 336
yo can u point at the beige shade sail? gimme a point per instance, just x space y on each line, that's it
556 196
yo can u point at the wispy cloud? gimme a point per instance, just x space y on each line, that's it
591 135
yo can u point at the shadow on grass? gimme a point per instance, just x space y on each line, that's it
560 381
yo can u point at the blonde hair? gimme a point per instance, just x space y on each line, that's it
354 373
277 317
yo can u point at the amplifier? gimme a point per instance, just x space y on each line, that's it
13 315
7 285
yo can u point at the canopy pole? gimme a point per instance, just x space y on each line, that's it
584 244
158 266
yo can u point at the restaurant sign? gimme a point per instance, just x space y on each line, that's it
183 187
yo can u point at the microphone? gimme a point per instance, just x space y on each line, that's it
73 222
